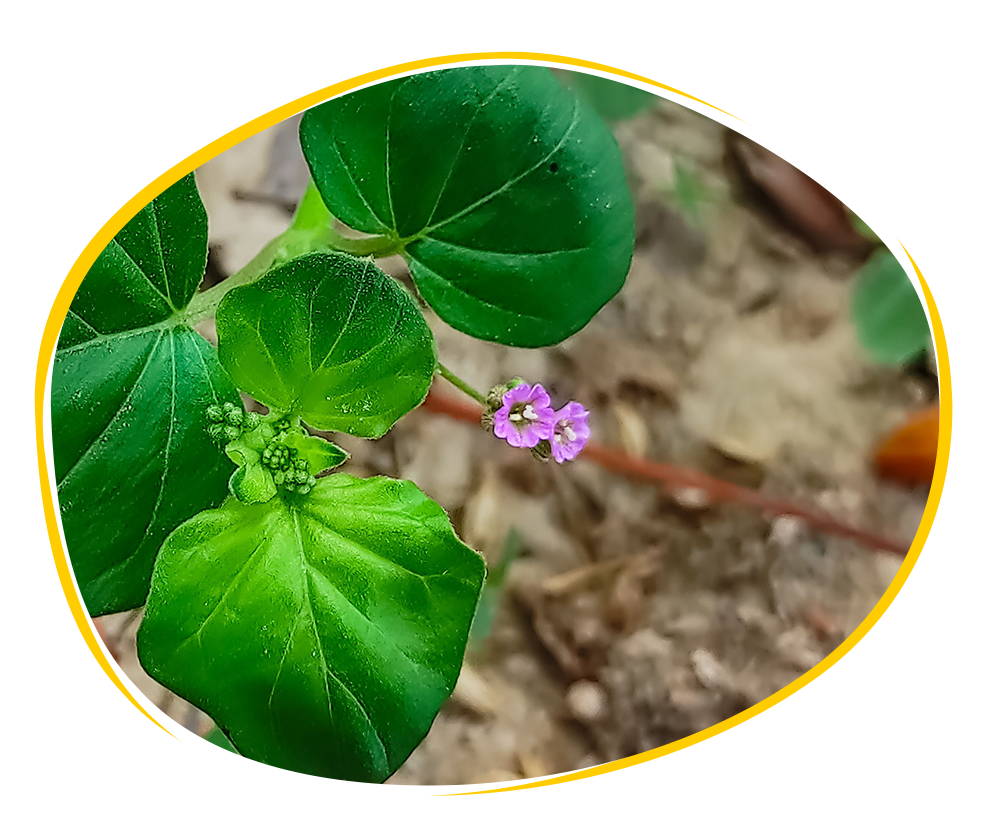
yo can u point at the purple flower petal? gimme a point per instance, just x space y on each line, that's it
525 417
570 432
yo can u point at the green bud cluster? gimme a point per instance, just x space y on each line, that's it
228 421
276 456
250 438
287 468
497 393
296 479
493 402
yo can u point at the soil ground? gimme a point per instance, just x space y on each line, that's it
633 616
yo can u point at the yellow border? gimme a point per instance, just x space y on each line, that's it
114 129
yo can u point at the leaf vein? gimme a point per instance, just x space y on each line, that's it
507 185
470 125
116 415
143 273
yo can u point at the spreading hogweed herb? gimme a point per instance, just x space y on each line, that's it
321 618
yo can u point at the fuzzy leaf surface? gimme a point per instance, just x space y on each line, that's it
331 338
322 634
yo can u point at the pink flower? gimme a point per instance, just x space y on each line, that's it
570 432
525 417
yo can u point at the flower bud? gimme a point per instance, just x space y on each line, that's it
542 450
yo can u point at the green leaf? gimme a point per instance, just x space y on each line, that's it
491 594
148 272
360 599
689 192
129 389
330 338
252 483
506 194
887 311
319 453
612 99
859 225
216 737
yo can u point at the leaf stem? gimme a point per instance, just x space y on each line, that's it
453 379
313 216
376 246
205 302
311 230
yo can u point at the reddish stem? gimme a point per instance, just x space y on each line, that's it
664 474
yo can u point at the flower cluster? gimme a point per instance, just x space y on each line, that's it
256 442
526 419
228 421
287 468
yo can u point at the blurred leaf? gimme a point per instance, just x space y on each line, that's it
887 311
611 99
862 228
487 607
689 192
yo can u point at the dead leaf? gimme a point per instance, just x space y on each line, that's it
580 578
909 453
808 207
474 693
626 604
632 429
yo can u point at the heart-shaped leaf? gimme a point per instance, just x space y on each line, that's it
129 389
148 272
505 192
330 338
360 599
887 311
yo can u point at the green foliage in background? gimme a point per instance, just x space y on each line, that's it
888 314
612 99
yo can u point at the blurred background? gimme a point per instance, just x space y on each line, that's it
763 337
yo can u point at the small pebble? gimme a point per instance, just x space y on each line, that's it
586 701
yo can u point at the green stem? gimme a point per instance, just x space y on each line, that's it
378 246
311 230
313 216
452 378
205 302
